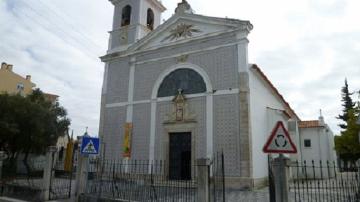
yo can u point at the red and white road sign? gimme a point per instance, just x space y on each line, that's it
279 141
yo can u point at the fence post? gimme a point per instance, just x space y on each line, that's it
203 168
48 172
81 175
280 167
271 180
2 158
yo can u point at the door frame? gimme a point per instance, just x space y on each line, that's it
182 136
180 128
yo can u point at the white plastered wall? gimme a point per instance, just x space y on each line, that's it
265 109
322 144
316 150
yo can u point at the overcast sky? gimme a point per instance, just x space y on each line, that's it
306 47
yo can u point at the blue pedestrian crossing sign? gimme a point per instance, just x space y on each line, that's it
90 145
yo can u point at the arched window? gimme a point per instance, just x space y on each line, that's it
150 19
126 15
187 80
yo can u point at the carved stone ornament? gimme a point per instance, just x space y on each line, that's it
182 30
180 112
124 37
183 7
182 59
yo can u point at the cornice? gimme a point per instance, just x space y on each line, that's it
114 2
126 53
158 4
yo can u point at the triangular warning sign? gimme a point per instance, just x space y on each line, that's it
89 148
279 141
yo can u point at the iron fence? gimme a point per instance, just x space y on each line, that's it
62 181
138 180
323 181
26 184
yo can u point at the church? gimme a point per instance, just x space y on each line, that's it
184 89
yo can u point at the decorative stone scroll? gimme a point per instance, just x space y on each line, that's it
181 112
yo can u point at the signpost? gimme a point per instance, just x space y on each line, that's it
279 142
90 145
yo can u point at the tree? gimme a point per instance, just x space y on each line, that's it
30 124
347 145
348 104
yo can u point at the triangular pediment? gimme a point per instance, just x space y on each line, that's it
186 27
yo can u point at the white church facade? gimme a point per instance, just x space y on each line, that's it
184 90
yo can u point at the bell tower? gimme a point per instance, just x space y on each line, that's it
133 19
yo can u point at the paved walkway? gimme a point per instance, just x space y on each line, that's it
231 196
261 195
7 199
64 200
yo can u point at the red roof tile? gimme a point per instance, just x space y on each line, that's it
309 124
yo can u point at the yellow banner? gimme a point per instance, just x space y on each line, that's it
69 156
127 140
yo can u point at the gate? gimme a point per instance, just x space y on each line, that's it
62 181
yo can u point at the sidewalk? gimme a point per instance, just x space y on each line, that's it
64 200
7 199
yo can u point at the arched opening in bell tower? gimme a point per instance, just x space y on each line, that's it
126 16
150 19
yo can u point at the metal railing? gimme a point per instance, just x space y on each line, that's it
62 182
323 181
138 180
20 182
